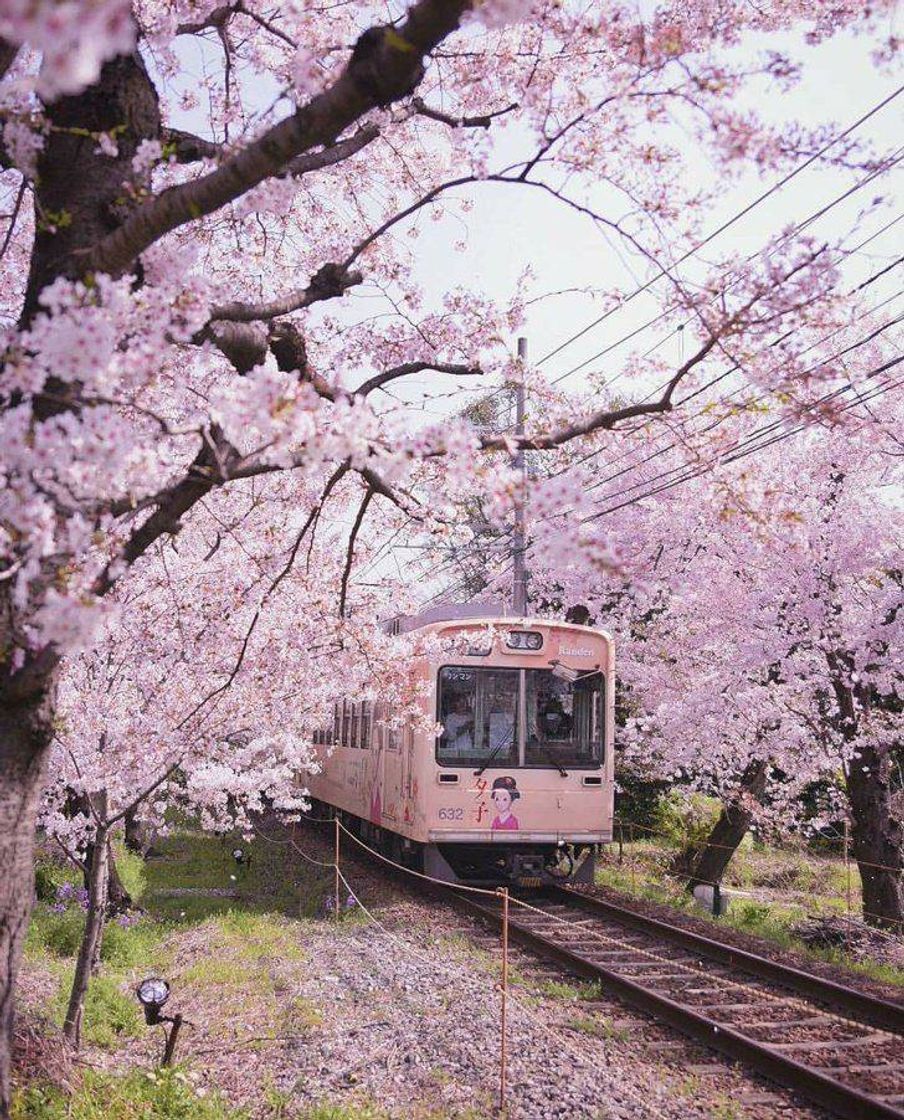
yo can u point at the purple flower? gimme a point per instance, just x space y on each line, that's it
82 897
65 892
58 908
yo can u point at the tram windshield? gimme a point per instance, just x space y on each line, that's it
519 717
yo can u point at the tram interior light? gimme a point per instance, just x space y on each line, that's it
524 639
152 995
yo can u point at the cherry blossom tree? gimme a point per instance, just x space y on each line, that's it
759 610
179 306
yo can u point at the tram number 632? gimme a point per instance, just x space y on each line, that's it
451 814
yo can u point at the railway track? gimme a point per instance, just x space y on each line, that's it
837 1046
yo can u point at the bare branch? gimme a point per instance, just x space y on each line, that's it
329 282
406 368
483 120
386 65
188 148
350 555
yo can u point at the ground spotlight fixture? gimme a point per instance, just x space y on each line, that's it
152 995
241 857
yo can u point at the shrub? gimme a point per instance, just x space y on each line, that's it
684 817
50 875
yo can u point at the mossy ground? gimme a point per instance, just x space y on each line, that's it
778 889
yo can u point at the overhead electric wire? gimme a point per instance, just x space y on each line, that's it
729 222
725 373
748 446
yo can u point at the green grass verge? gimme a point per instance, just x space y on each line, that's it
138 1095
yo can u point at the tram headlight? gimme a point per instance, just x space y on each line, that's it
524 639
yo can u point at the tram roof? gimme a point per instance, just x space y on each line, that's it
490 613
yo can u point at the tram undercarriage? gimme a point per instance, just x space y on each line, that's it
496 864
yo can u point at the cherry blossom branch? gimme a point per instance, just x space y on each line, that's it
604 419
216 19
385 65
8 54
329 282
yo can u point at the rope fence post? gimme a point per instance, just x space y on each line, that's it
847 865
503 1042
336 873
621 843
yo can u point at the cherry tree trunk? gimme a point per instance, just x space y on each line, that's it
25 733
139 834
706 864
89 950
876 838
118 898
84 187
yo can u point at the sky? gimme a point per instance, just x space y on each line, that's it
510 229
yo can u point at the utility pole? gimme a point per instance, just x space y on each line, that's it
519 575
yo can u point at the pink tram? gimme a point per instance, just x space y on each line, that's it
518 785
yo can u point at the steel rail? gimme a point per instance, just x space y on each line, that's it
869 1008
821 1089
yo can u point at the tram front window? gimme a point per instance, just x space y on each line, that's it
478 709
561 723
564 727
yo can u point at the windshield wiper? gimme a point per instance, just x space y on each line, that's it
550 757
490 757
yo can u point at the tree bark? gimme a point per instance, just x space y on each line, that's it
876 838
706 864
89 950
25 733
876 833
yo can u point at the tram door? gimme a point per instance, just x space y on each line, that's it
408 783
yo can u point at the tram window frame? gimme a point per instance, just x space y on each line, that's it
599 714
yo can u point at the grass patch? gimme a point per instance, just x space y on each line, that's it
109 1014
164 1095
598 1028
132 870
561 989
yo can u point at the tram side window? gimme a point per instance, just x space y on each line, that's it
365 724
478 710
